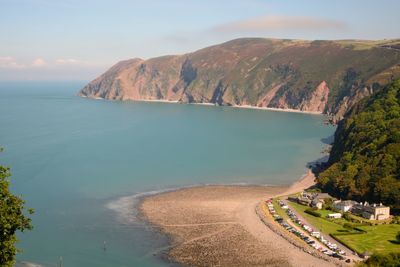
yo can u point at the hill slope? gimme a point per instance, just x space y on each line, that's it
364 163
318 76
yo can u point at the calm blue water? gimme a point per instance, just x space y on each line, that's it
78 162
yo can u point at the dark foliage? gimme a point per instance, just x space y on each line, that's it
12 219
312 212
365 159
382 260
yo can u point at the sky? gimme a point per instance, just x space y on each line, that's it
80 39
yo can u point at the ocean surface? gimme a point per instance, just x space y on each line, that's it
82 163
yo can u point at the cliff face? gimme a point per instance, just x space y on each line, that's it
317 100
318 76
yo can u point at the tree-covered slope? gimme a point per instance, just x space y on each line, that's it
317 76
364 163
12 219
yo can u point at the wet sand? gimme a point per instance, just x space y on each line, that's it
219 226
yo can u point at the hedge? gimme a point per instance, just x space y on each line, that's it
312 212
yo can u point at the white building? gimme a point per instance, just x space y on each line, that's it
334 215
345 205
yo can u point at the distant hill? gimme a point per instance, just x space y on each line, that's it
364 163
318 76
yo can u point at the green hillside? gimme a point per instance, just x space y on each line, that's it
364 163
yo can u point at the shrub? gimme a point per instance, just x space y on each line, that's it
382 260
312 212
348 226
347 216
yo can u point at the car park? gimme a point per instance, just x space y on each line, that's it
331 248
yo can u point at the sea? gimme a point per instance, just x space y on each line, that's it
83 165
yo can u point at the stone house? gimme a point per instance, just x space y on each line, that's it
372 212
317 203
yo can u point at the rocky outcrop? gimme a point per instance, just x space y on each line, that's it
323 76
318 99
264 102
108 85
348 101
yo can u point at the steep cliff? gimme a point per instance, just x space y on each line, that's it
318 76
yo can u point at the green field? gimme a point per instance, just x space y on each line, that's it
320 223
378 238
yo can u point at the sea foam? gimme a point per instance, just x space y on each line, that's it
126 207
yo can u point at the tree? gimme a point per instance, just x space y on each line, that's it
382 260
364 163
12 219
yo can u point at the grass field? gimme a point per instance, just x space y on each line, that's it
377 238
324 213
320 223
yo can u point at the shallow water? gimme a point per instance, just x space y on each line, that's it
79 162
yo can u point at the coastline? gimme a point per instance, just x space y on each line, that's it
219 225
279 109
212 104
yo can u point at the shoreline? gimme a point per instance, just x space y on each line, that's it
207 224
212 104
279 109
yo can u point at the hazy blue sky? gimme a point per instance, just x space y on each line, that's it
78 39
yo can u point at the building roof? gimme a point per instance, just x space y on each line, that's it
318 200
346 203
373 206
322 196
